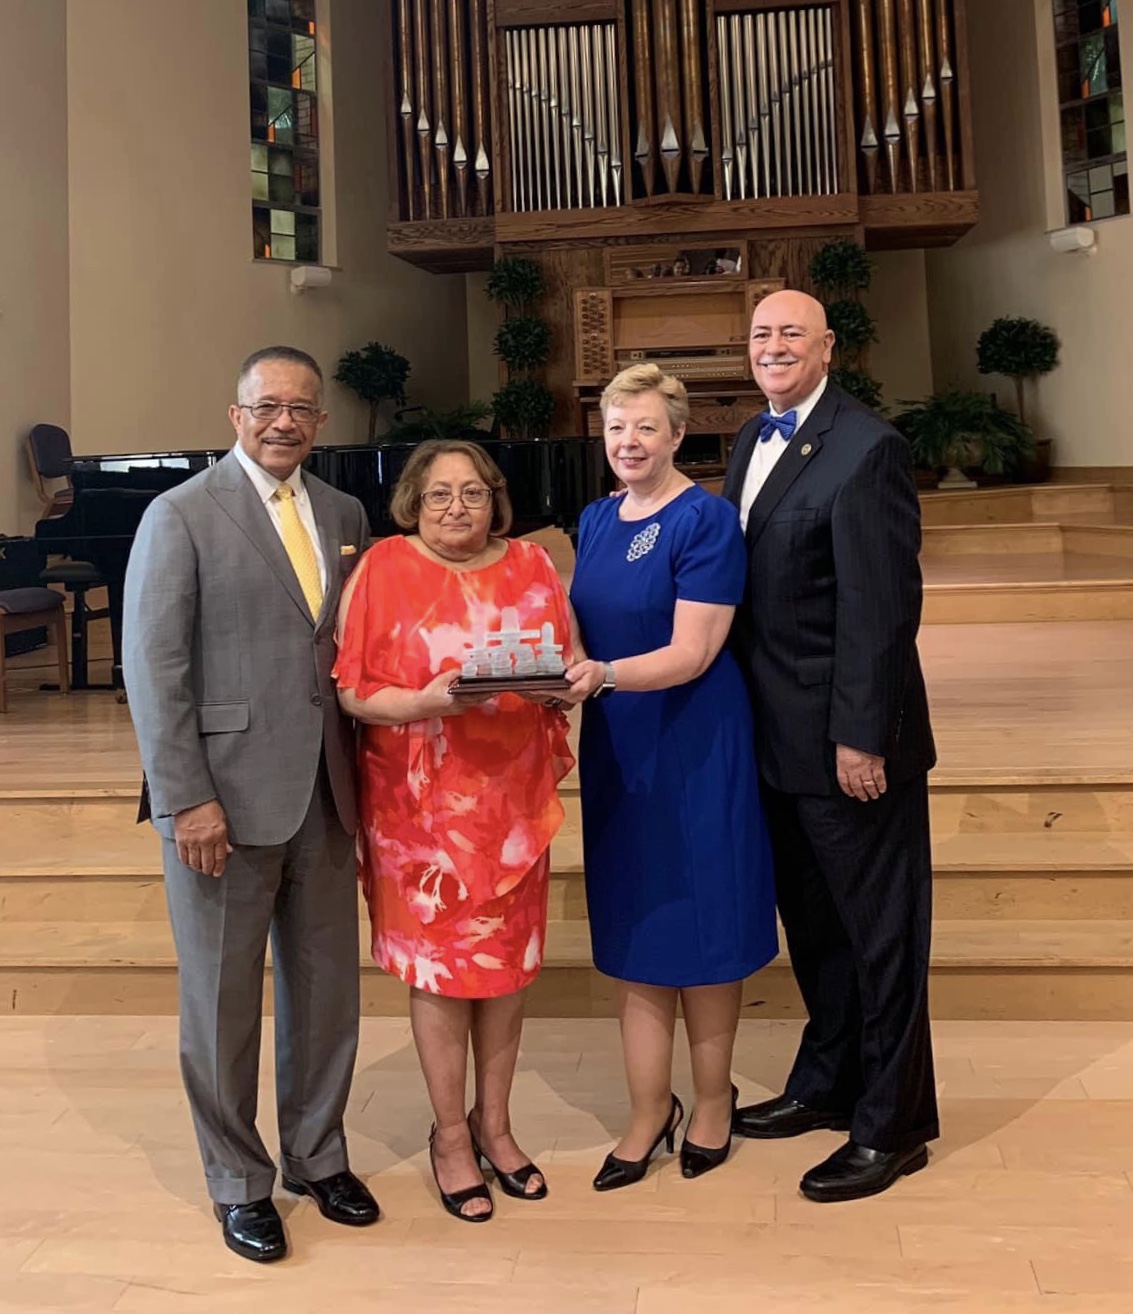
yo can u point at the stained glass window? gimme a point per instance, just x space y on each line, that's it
282 39
1094 163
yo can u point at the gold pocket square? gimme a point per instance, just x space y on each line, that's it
347 550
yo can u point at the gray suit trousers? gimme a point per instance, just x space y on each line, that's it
304 894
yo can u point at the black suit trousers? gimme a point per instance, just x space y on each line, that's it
854 887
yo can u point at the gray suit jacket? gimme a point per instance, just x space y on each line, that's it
229 678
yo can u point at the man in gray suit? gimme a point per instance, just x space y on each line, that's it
231 595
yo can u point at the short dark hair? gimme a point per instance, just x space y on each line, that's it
292 355
405 505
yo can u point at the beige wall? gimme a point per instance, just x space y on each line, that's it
483 324
33 254
1006 266
165 299
901 360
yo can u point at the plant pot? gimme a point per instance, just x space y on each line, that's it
1036 469
956 479
982 479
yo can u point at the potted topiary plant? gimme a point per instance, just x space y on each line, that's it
959 430
841 272
1021 349
524 407
376 373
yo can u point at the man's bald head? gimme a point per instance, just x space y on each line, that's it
790 347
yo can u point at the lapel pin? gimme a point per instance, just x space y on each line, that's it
806 449
347 550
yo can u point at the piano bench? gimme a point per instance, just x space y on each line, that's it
32 609
77 577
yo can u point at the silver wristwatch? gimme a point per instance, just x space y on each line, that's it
609 681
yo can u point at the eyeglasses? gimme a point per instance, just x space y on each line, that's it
440 499
300 412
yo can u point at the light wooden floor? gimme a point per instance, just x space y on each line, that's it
1028 702
1027 1204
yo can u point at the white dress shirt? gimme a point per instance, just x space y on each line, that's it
265 485
765 455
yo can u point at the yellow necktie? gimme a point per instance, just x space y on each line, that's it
300 549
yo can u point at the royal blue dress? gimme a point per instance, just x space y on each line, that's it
679 883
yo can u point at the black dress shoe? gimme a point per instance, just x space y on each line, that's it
253 1230
855 1171
342 1198
616 1173
782 1117
696 1160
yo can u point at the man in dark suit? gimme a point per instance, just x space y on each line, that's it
231 596
827 633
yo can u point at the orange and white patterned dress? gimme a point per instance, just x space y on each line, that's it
457 813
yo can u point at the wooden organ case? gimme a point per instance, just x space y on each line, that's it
665 161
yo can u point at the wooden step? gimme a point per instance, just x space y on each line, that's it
84 831
66 898
1035 877
998 876
1069 970
976 602
1018 504
1054 806
1036 539
1054 852
990 540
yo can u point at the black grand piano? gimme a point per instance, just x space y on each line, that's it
549 481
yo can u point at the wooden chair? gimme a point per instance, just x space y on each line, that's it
32 609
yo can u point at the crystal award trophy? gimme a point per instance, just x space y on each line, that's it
512 660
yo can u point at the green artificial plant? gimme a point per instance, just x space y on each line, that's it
841 272
376 373
524 407
960 429
1019 349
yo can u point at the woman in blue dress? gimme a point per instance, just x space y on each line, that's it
679 882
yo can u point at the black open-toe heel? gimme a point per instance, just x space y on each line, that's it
696 1160
616 1172
454 1201
513 1184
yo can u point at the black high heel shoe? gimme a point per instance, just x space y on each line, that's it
696 1160
513 1184
454 1201
616 1172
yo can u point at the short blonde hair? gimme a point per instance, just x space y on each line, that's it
647 377
405 505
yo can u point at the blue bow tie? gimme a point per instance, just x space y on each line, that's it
786 424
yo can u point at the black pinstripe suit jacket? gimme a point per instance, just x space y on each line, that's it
827 629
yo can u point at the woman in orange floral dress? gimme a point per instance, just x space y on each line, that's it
457 797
